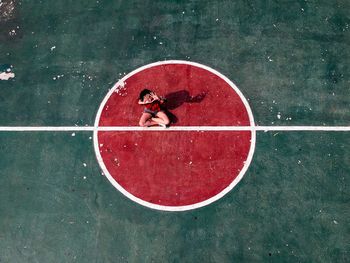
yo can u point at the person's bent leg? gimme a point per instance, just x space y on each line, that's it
162 118
146 120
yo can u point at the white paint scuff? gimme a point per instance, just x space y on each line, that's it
6 75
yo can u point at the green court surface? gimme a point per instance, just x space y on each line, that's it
290 59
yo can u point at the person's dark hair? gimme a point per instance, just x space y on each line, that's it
144 93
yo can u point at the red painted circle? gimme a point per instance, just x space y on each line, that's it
175 168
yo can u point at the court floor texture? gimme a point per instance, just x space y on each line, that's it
254 166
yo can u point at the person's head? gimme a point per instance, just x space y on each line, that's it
143 93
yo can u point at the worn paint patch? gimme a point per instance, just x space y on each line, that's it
7 9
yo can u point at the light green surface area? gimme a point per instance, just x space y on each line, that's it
289 58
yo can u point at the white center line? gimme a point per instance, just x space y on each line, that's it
173 128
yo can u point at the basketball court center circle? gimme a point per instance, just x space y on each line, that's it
175 170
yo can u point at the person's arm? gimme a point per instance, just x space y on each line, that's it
155 96
142 102
160 98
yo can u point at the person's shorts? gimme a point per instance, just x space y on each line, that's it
153 113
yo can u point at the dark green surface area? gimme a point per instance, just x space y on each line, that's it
289 58
291 206
286 56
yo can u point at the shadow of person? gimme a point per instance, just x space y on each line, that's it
177 98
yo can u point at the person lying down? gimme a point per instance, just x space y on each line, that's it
153 113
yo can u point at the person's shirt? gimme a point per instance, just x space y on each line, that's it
153 106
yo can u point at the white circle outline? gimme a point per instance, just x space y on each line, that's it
185 207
